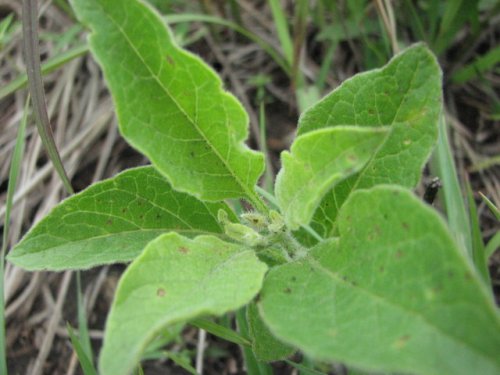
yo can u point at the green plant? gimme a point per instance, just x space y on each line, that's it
350 267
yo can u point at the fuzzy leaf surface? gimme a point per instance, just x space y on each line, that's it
318 160
174 280
112 221
170 105
393 293
265 346
405 95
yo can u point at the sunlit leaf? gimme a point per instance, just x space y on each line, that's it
112 221
174 280
318 160
394 293
170 105
405 95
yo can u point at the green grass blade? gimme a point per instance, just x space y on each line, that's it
32 56
220 331
478 66
4 26
326 65
491 206
415 21
444 167
83 329
181 361
192 17
478 250
87 366
492 246
456 14
51 65
280 21
15 167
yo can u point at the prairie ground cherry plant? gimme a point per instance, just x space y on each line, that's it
343 262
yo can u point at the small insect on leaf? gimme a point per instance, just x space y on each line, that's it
432 189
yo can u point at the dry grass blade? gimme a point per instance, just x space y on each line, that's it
32 56
15 167
52 326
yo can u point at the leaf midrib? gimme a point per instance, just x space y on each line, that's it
408 311
335 177
202 309
115 234
360 174
250 194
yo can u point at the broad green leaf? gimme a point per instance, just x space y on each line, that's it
170 105
394 293
318 160
112 221
174 280
405 95
265 346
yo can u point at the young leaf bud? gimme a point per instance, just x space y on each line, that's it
277 223
256 220
244 234
222 217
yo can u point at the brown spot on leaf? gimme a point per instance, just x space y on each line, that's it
402 341
170 60
109 221
124 209
294 279
288 290
381 269
160 292
405 225
399 254
183 250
